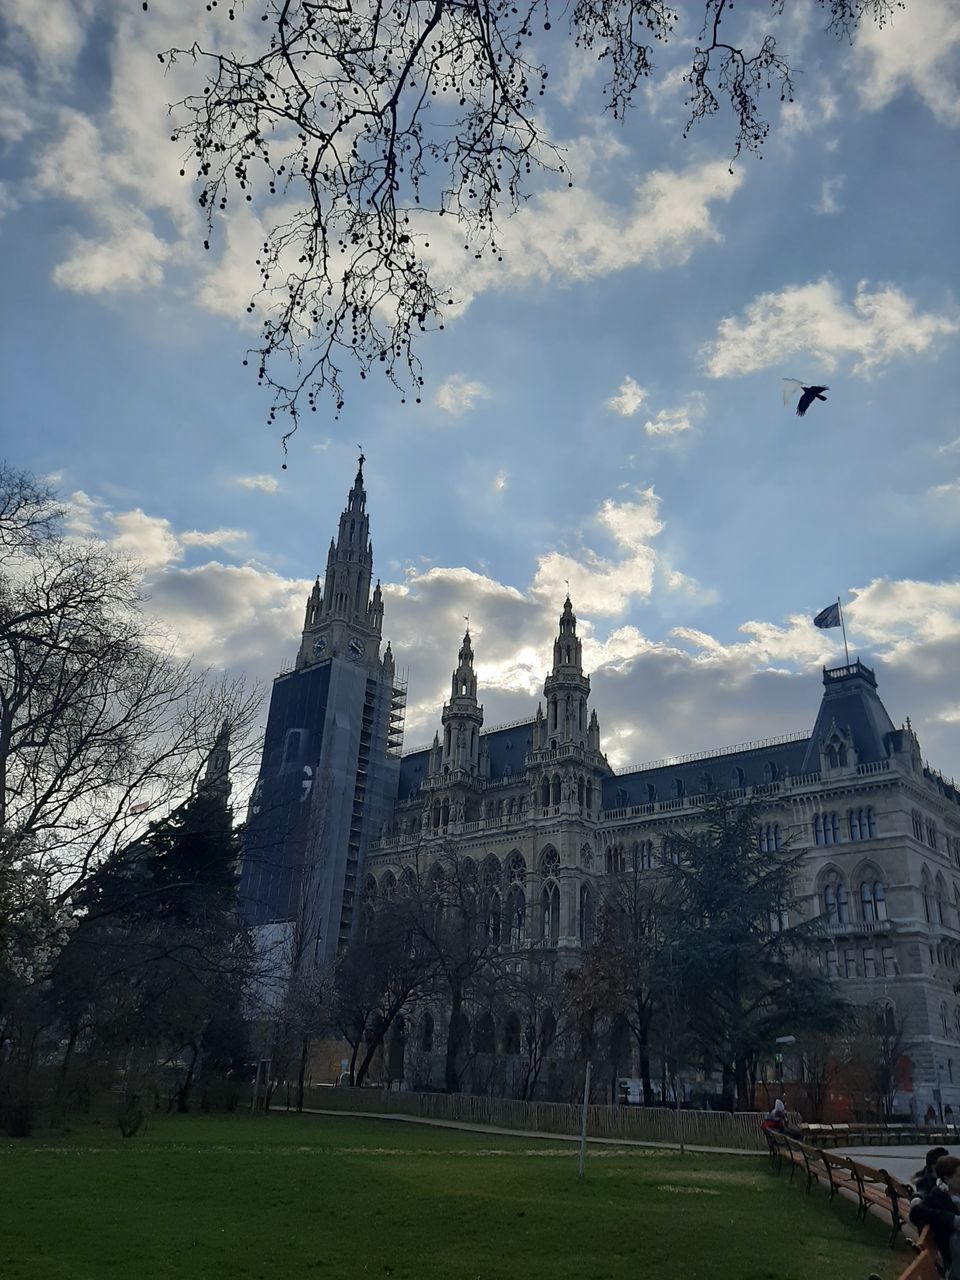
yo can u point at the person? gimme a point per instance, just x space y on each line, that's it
776 1119
925 1179
939 1209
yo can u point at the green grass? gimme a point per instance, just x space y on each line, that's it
288 1197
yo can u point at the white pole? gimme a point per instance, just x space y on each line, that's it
583 1119
843 627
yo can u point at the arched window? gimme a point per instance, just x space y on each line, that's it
544 792
555 789
426 1033
492 913
670 849
770 771
388 885
939 901
484 1035
678 788
927 898
549 862
944 1024
853 824
511 1033
550 914
516 915
830 903
817 829
586 916
776 837
843 904
516 868
622 798
651 793
867 905
917 824
589 795
586 857
580 791
737 777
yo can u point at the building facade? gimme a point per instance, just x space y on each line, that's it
546 820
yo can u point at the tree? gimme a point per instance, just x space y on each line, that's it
540 997
365 125
450 919
873 1058
745 974
599 992
101 729
378 977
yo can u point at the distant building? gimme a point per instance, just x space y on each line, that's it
538 808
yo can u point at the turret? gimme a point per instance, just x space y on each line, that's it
567 689
462 715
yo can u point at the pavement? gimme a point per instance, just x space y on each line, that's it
902 1162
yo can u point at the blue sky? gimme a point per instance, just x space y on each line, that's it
603 407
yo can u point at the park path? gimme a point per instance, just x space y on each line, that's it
528 1133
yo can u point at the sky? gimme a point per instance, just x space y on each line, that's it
603 407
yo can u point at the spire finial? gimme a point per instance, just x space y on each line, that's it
466 618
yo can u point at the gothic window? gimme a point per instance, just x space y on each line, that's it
426 1034
769 837
917 824
670 850
549 862
770 771
868 907
516 868
580 791
830 903
555 789
589 796
586 857
706 783
408 883
646 855
550 914
370 887
516 915
678 788
944 1025
651 793
511 1033
492 915
622 798
927 898
836 901
586 916
932 840
544 792
939 903
388 885
737 777
843 904
484 1035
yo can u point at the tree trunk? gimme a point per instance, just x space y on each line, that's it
451 1075
183 1092
645 1080
742 1084
302 1074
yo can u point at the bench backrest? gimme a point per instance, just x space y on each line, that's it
924 1265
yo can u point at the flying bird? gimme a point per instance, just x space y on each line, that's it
793 387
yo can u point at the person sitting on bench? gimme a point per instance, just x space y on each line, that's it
939 1208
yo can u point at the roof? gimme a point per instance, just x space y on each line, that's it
851 700
746 767
506 748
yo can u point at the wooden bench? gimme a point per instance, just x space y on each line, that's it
924 1265
870 1186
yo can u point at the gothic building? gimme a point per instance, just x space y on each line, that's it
545 819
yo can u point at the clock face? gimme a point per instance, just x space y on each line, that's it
355 648
320 647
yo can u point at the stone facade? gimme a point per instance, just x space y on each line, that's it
545 819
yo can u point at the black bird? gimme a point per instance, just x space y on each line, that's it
792 386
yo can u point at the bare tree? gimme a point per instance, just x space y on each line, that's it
365 123
873 1055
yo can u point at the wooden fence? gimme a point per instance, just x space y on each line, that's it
740 1131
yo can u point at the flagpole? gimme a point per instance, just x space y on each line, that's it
844 628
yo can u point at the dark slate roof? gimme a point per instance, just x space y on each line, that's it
413 769
764 762
506 748
850 698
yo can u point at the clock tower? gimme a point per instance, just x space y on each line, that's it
330 768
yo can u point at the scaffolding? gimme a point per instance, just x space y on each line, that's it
398 711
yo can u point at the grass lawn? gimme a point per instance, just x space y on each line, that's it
285 1197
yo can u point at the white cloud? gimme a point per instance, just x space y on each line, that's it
828 202
814 319
500 481
628 399
147 539
458 394
212 538
669 423
952 447
576 234
917 50
129 259
260 483
54 35
16 116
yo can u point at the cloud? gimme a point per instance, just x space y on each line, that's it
952 447
500 481
260 483
457 394
918 50
578 235
814 319
147 539
828 202
628 399
212 538
54 37
669 423
16 117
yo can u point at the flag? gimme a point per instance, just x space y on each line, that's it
828 617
